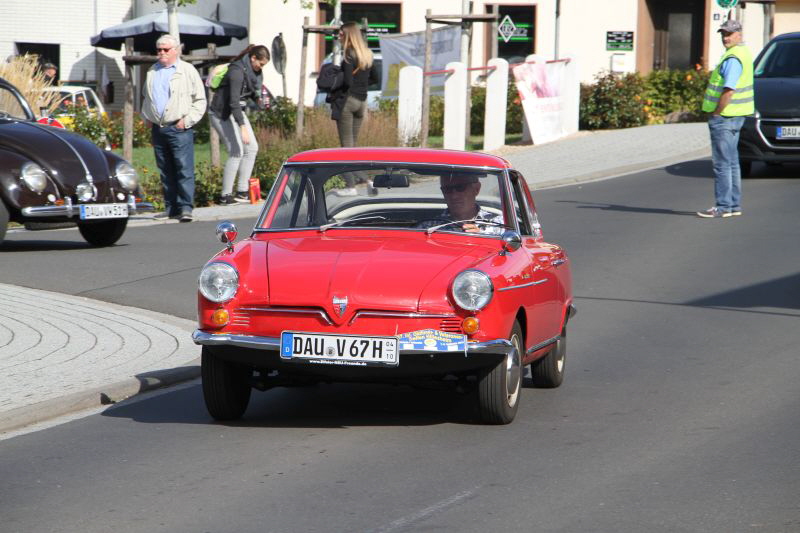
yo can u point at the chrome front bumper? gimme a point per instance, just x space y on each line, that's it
496 346
70 210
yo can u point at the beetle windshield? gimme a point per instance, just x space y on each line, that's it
781 59
387 195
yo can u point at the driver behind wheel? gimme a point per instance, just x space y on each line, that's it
460 191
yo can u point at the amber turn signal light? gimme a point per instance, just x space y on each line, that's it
220 317
470 325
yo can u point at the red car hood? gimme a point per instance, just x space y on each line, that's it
371 272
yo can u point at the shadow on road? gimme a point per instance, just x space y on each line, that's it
318 406
31 245
626 208
701 168
780 293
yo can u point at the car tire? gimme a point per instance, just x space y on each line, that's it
3 220
746 168
548 372
226 386
499 388
103 233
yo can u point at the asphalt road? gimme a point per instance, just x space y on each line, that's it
680 409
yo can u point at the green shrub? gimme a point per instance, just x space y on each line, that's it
667 91
281 116
613 101
207 184
87 123
113 124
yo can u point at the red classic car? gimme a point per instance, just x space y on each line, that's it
387 265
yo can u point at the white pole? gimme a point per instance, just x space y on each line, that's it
455 106
409 105
494 124
172 18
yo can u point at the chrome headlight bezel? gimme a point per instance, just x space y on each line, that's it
33 176
218 282
472 290
126 176
85 192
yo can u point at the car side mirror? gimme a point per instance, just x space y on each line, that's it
227 233
512 241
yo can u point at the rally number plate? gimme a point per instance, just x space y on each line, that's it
93 211
339 349
789 132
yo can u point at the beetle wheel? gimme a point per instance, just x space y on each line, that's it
103 233
548 372
499 387
226 386
3 220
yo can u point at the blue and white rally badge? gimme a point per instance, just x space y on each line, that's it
433 340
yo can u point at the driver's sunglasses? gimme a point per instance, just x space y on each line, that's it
164 49
460 187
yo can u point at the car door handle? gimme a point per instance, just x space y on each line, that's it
558 262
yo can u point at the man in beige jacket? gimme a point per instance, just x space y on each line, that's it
174 101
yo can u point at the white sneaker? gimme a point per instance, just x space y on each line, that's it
347 192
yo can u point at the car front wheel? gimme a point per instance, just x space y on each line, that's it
3 220
548 372
745 168
226 386
103 233
499 387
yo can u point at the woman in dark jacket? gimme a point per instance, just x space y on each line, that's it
242 81
350 106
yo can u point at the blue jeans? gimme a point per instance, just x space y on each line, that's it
174 151
725 157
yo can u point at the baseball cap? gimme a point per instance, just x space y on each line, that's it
48 65
730 26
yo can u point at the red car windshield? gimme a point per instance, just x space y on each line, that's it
386 195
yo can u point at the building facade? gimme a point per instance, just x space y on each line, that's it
619 35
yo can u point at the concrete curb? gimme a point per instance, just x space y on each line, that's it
97 396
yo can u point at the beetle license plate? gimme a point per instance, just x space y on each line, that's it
339 349
789 132
92 211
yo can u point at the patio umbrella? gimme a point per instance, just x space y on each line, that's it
196 32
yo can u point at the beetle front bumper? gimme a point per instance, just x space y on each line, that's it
70 210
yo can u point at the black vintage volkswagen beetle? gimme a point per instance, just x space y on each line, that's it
50 175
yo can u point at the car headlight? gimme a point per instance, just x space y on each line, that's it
126 176
218 282
472 290
34 176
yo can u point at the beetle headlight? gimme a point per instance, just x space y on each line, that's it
472 290
126 176
34 176
218 282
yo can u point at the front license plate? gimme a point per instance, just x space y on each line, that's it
789 132
339 349
90 211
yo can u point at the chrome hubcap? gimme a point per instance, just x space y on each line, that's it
513 371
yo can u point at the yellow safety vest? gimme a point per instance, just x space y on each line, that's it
742 103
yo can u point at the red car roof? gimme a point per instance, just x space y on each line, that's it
400 155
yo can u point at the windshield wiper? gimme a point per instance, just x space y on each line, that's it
468 221
334 224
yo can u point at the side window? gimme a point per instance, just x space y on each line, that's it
523 205
294 210
90 100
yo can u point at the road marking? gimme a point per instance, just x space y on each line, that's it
425 513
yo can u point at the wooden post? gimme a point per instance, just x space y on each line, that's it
301 96
213 136
127 110
426 83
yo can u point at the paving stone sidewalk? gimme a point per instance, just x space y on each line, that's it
60 353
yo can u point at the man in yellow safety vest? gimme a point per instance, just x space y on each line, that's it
729 98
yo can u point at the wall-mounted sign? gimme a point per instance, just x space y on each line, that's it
619 41
727 4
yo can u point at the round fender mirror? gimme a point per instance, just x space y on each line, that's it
227 232
511 241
